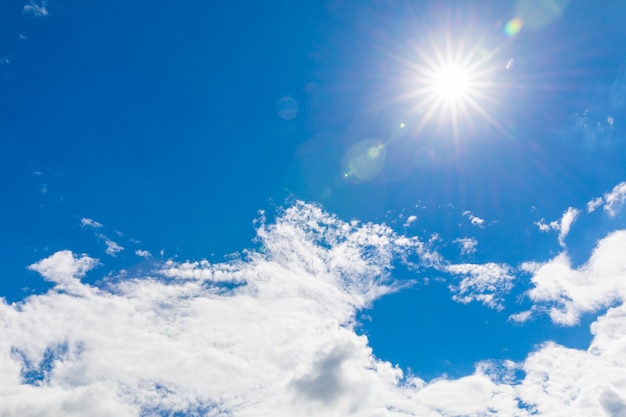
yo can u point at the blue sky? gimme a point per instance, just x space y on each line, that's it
372 208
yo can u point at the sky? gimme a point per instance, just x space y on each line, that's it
320 208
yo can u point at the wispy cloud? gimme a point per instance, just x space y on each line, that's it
467 244
37 9
87 222
563 225
485 283
112 248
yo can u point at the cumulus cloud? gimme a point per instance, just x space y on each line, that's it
273 333
486 283
569 292
37 9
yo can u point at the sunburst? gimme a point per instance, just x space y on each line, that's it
451 81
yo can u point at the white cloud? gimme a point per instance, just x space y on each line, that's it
486 283
475 220
143 253
112 247
37 9
87 222
522 316
282 342
410 220
594 204
614 200
566 223
563 226
543 226
174 345
64 268
568 293
467 244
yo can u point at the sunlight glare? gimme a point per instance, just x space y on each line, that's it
451 83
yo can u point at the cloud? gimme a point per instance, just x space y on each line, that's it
64 268
594 204
614 200
37 9
486 283
143 253
410 220
4 60
568 293
273 333
112 247
467 244
87 222
475 220
563 226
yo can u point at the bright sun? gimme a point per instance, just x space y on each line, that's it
452 81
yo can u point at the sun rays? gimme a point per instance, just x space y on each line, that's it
451 82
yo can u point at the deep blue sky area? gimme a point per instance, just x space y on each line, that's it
173 124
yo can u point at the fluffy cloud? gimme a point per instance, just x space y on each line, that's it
569 292
612 201
273 333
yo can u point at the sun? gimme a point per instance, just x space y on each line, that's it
449 80
451 83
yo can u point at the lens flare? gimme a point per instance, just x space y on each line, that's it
514 26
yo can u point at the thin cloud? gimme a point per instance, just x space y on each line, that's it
87 222
467 244
37 9
112 248
487 283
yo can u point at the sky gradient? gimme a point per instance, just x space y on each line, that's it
318 208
